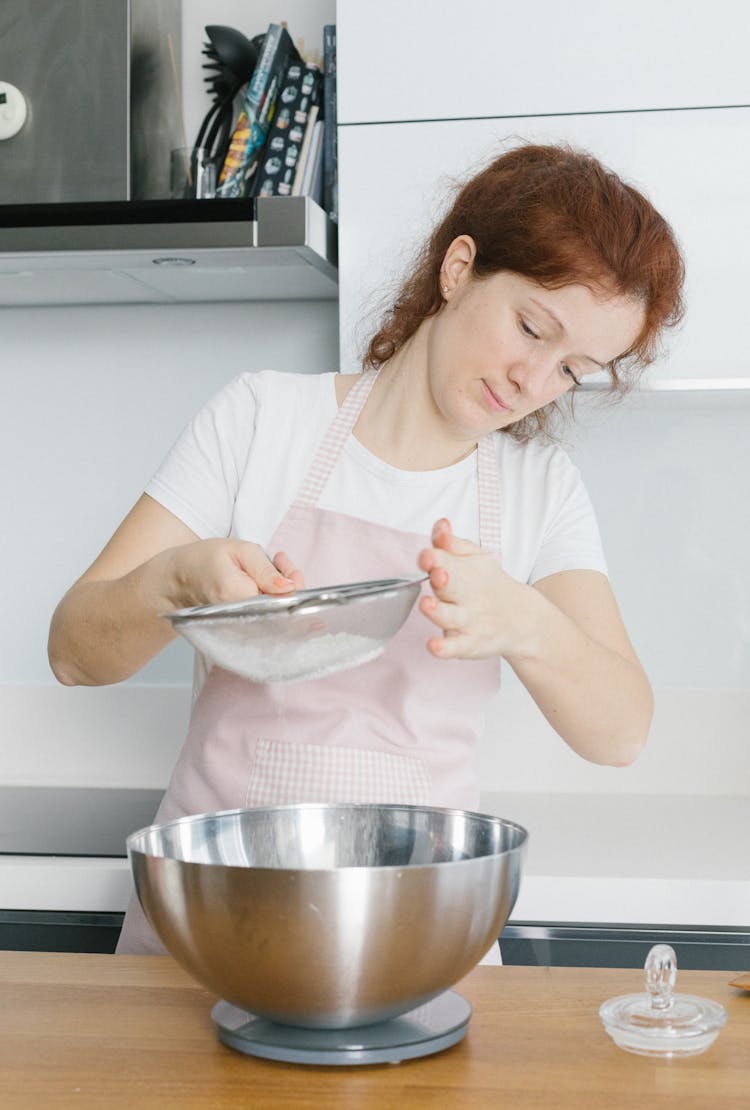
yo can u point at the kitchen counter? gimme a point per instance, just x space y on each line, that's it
135 1031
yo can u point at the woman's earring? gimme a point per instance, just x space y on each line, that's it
445 288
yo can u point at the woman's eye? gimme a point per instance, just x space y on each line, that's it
527 329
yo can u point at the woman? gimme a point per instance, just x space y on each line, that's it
546 269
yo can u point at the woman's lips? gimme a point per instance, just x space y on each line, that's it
494 401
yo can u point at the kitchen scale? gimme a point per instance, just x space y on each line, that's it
427 1029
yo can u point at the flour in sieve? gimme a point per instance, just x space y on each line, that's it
295 660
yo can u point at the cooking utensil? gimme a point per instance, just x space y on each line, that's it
231 60
328 916
307 634
741 981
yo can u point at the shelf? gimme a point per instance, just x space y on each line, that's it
678 385
129 252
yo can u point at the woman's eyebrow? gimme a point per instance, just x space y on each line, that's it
559 324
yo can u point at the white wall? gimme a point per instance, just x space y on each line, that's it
669 477
92 399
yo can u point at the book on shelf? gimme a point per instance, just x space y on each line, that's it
305 152
248 140
312 108
312 182
281 155
330 141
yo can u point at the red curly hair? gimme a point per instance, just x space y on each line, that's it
557 216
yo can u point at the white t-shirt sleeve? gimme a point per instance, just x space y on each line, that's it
570 537
199 478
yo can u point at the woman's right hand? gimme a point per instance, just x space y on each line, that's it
217 571
111 621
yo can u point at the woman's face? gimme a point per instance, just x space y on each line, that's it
504 346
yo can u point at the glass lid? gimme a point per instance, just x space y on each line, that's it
660 1022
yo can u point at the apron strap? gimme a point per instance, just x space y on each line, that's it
326 457
488 480
329 450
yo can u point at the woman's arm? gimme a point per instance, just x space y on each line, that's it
110 622
563 637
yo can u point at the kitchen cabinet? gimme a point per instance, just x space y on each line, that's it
136 1031
64 877
658 92
606 877
481 58
692 164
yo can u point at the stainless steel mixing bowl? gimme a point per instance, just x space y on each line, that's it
328 916
307 634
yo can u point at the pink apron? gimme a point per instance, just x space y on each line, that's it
400 729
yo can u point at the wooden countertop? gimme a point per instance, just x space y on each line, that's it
90 1031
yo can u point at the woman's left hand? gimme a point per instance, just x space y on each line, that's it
476 604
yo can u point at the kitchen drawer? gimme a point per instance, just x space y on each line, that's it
560 944
43 931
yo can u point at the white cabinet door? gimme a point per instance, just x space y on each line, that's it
693 165
417 60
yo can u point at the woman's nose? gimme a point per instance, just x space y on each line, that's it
530 374
527 374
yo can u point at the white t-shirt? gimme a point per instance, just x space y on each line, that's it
236 468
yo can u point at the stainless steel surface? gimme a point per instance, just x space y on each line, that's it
308 634
97 91
155 98
305 227
329 916
72 820
307 599
116 255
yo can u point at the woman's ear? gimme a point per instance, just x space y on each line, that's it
457 264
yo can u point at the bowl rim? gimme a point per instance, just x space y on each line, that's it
521 845
265 605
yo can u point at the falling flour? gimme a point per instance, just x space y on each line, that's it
293 660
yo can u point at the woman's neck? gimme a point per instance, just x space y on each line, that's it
401 423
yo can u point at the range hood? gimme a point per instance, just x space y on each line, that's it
130 252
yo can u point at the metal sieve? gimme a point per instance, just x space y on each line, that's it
304 635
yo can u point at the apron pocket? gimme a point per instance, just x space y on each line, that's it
288 774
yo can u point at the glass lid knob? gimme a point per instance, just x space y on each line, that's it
661 975
660 1022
